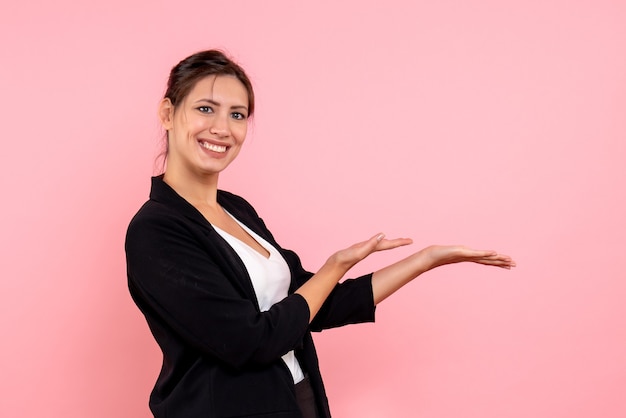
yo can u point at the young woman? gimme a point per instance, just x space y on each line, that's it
230 308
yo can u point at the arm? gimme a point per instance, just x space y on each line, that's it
389 279
330 304
317 289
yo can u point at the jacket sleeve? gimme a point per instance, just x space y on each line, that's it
180 277
350 302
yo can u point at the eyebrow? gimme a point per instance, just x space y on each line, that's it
213 102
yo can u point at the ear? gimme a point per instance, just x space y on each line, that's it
166 113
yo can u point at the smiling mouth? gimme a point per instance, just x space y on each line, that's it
213 147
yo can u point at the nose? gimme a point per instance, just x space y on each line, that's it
220 126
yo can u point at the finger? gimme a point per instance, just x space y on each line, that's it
505 262
502 258
369 246
379 243
487 254
480 253
388 244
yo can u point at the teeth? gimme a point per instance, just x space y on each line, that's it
213 147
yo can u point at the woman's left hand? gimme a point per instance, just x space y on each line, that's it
439 255
388 280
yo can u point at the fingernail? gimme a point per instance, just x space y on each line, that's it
380 237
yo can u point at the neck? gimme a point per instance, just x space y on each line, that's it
197 190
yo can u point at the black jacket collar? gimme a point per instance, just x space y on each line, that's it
163 193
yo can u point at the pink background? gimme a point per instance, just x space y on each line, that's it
492 124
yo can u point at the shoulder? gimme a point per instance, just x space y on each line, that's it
151 212
156 223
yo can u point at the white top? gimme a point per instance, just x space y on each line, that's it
270 277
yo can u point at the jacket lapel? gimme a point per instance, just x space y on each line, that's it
228 260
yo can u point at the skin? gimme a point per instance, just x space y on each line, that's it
215 114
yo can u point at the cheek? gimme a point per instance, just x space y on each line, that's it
186 123
196 125
241 132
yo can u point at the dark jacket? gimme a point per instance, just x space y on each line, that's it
221 355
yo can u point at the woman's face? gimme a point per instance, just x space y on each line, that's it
206 130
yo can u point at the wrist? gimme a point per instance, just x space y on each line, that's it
335 264
425 259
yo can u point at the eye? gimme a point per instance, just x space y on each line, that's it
205 109
238 115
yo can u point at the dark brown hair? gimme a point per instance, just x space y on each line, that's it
185 75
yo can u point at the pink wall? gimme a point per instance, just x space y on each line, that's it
488 123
